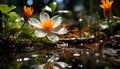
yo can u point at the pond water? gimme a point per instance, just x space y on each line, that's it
72 54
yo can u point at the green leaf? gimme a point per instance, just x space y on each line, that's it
11 8
26 33
80 26
6 9
53 6
13 16
16 25
43 9
13 30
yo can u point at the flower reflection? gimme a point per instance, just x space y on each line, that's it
55 65
62 45
48 27
48 66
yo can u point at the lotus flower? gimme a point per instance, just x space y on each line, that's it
47 26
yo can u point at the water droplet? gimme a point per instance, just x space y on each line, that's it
97 54
76 54
101 41
34 55
46 56
87 53
26 59
69 66
80 65
97 60
81 44
80 19
19 59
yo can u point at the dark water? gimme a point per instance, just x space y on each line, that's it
72 56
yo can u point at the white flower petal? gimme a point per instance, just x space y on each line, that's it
60 31
40 33
43 16
34 22
57 21
48 8
104 26
53 37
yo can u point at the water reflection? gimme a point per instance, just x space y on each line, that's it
65 56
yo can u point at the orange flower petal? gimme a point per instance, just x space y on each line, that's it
27 12
106 6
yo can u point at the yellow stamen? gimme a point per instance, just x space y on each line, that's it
47 24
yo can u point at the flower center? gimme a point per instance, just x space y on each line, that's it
47 24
